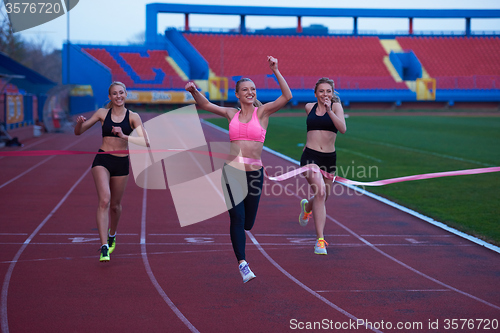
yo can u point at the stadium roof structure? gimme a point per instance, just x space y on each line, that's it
24 77
153 9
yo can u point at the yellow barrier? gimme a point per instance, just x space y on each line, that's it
217 88
426 89
15 109
81 90
159 97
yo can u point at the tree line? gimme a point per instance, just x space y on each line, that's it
34 54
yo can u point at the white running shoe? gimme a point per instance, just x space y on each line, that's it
245 272
304 216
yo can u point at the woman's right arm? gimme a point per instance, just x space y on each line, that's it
206 105
83 124
309 107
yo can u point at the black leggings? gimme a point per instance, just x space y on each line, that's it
242 208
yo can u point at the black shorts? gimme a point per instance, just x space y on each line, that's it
116 165
325 161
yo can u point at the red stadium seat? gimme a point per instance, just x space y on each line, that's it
458 62
138 69
301 56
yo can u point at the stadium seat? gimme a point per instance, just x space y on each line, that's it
298 56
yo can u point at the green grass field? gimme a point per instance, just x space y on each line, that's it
380 147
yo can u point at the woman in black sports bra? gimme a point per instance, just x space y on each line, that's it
324 119
110 171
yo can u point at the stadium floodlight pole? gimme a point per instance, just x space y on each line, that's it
67 42
221 65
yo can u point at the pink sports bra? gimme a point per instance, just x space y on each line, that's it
251 131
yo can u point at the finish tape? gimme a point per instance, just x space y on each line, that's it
290 174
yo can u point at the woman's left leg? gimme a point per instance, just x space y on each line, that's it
117 187
255 180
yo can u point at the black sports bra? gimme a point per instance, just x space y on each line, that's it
321 123
108 124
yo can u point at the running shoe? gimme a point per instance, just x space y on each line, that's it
304 216
111 243
104 253
320 247
245 272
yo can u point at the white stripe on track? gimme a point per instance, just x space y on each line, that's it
374 247
395 205
411 268
300 284
31 145
427 219
25 172
38 164
291 277
147 266
425 152
8 275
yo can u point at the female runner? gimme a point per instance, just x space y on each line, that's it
247 131
110 171
324 119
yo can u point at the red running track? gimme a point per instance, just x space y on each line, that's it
384 266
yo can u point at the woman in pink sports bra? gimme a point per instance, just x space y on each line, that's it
247 131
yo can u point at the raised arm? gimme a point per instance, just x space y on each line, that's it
286 93
206 105
83 124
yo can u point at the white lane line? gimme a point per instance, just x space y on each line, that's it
375 247
427 219
359 154
13 234
395 205
27 171
298 235
38 164
8 275
385 291
275 264
147 266
423 152
423 236
76 234
300 284
192 235
128 256
30 145
296 244
411 268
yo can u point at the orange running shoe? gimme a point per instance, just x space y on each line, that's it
304 216
320 247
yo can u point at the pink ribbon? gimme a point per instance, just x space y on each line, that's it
290 174
338 179
419 177
345 181
59 152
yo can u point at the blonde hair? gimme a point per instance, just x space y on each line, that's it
115 83
336 98
256 103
